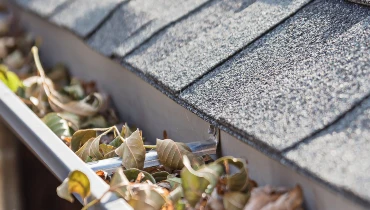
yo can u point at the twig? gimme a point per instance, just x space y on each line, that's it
150 146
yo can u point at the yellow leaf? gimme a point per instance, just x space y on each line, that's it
9 78
79 183
76 182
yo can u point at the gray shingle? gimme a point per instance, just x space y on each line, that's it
340 155
136 21
295 80
193 46
42 7
82 16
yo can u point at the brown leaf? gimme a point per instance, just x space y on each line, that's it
90 150
86 107
82 108
126 131
238 181
107 150
103 175
147 197
82 136
133 151
120 182
291 200
262 196
171 153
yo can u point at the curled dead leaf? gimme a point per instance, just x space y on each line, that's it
238 181
268 198
195 183
88 106
291 200
77 182
119 183
63 191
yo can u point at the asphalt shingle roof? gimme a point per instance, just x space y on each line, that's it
42 7
289 77
83 16
137 21
225 27
340 155
293 81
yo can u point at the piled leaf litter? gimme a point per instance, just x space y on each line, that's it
81 117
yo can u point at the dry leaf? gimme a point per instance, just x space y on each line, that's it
170 153
133 151
195 183
83 107
146 197
90 149
80 137
107 150
291 200
77 182
57 124
235 200
63 191
238 181
120 182
261 196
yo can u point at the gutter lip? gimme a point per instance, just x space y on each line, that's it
49 149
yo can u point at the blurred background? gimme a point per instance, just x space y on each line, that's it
25 183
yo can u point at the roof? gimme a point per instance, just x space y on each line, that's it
289 77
